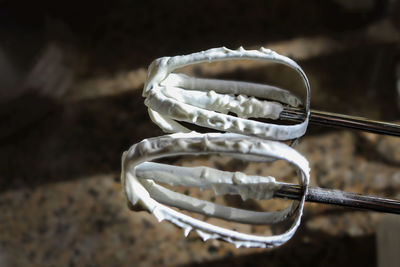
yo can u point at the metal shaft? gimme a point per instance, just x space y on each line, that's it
340 198
342 121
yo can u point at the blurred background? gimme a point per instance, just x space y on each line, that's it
71 75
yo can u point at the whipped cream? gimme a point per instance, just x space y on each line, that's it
140 178
173 97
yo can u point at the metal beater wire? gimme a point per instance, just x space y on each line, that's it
342 121
340 198
337 197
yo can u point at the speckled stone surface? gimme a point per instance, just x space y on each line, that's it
61 203
87 222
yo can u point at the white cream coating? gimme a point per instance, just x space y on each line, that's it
142 191
222 182
241 105
166 124
170 96
227 123
174 199
264 91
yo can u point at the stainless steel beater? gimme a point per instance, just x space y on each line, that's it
342 121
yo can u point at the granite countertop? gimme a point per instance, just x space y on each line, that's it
86 221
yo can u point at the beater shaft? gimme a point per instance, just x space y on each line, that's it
340 198
342 121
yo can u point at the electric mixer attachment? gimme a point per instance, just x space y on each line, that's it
173 98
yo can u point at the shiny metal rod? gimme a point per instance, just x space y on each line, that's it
340 198
342 121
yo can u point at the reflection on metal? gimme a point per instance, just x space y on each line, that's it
340 198
342 121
